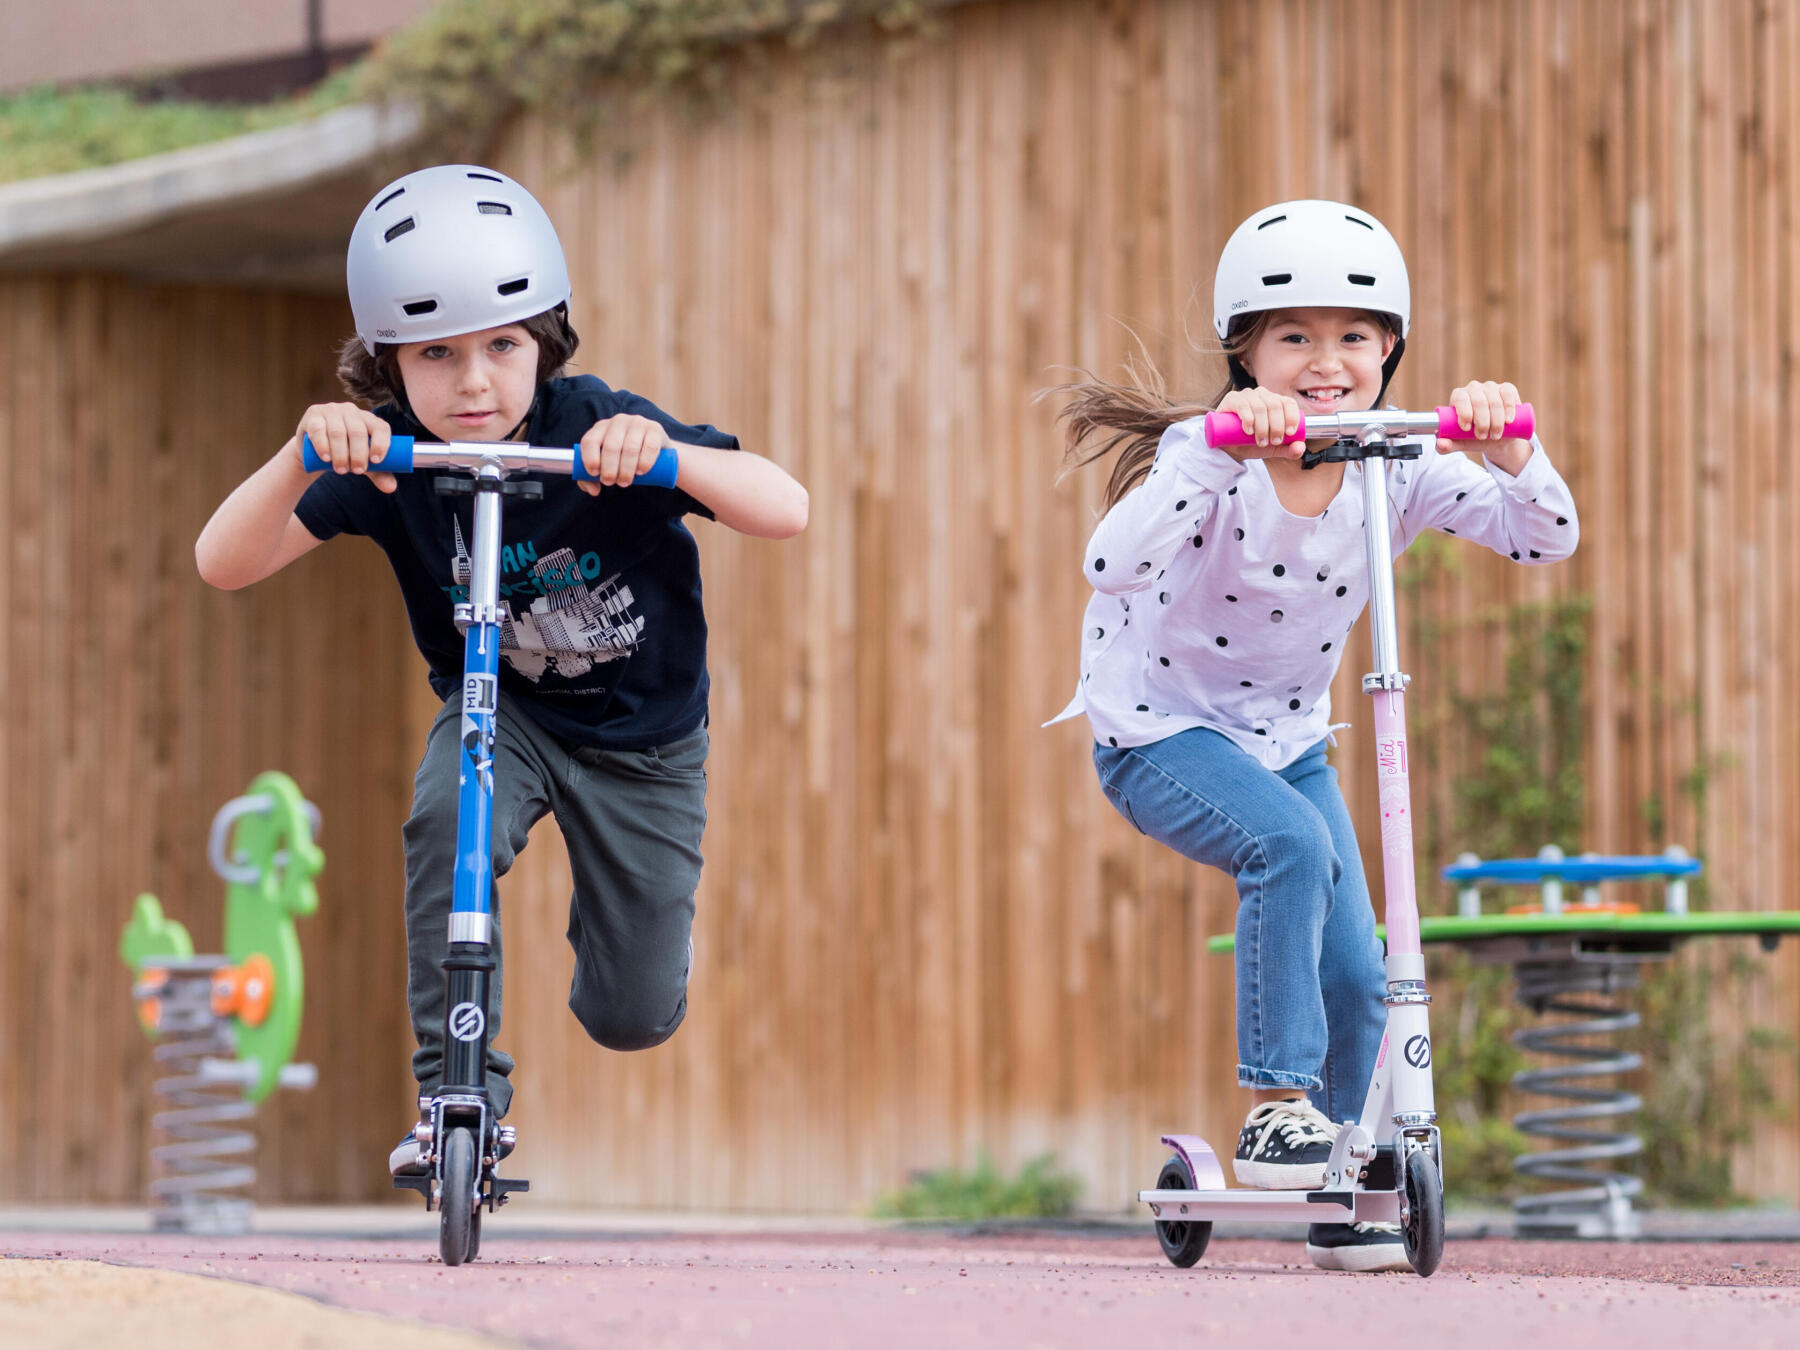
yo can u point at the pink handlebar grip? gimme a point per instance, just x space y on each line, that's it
1223 429
1520 427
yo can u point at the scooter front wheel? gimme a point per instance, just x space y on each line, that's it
1422 1223
1183 1241
459 1234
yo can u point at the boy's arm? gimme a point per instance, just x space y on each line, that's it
752 495
255 533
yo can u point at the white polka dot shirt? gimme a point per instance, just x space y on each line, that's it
1215 607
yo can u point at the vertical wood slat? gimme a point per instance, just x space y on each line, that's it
922 930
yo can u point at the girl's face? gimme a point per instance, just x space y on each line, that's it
471 387
1326 360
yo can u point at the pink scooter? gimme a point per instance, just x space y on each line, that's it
1387 1167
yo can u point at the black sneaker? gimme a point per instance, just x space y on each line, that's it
407 1159
1356 1246
1284 1146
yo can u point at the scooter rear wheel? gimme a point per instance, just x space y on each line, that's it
458 1221
1184 1240
1422 1227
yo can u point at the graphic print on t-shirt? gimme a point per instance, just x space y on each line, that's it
570 626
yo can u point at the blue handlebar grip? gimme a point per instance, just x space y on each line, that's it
660 474
397 460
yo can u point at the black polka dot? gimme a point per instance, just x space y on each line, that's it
1280 571
1276 616
1515 555
1199 540
1239 532
1536 554
1562 520
1232 598
1099 564
1181 505
1448 530
1293 689
1324 571
1261 732
1461 495
1245 683
1294 704
1143 567
1163 659
1342 589
1143 707
1164 597
1113 741
1326 647
1159 575
1221 641
1232 493
1099 633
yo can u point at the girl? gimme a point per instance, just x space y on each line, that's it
1226 583
460 294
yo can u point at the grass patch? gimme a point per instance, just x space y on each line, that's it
1040 1190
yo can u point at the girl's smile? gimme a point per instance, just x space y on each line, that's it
1326 360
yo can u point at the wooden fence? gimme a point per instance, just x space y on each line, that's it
923 933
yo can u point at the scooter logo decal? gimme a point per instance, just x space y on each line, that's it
1390 754
467 1021
1418 1051
480 694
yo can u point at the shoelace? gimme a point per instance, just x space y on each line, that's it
1299 1122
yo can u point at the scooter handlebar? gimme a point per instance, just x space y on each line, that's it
404 455
1224 429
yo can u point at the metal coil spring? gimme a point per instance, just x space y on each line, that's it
1598 1201
202 1113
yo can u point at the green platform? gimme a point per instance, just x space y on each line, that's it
1574 923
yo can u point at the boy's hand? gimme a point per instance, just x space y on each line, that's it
349 439
1485 407
617 449
1269 418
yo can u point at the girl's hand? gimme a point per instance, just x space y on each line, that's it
617 449
347 438
1270 418
1484 407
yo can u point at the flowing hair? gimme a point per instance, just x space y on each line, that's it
1130 417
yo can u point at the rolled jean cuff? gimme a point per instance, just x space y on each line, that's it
1251 1077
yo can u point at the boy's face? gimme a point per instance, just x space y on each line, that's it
1327 360
471 387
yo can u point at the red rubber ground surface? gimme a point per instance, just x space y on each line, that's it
1024 1289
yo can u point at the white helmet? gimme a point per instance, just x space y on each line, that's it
1311 253
451 249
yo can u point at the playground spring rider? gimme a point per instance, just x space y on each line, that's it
226 1026
1386 1167
462 1139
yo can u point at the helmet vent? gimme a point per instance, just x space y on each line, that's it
1356 220
397 192
1361 279
1278 278
1272 220
493 208
395 231
417 307
487 177
513 287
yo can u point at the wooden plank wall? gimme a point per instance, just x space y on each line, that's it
142 701
922 931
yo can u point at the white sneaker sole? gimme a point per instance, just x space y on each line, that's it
1361 1259
1279 1176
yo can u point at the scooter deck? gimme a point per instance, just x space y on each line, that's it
1335 1206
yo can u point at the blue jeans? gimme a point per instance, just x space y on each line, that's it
1310 972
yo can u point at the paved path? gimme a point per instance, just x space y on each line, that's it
1023 1289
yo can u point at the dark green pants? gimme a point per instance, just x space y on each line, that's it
632 820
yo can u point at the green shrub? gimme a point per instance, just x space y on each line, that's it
1040 1190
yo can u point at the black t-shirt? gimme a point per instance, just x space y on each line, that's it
605 643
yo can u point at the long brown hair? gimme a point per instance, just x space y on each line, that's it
375 380
1130 417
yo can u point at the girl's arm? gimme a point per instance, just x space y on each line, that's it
255 533
1528 516
1161 515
